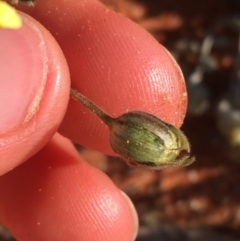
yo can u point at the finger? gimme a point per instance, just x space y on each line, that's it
58 196
113 62
34 87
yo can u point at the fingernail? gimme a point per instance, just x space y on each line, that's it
135 216
23 74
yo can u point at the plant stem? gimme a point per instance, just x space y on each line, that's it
91 106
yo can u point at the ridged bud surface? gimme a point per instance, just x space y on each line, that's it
143 139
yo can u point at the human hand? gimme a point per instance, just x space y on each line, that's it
55 195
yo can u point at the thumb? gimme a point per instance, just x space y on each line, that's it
34 83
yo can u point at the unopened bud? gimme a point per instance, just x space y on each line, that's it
142 139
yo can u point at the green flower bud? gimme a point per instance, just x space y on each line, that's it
142 139
28 2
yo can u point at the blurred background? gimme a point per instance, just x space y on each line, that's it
202 201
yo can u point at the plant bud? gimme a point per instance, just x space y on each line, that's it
27 2
142 139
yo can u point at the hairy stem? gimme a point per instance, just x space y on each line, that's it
91 106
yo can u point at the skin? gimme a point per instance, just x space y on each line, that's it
54 194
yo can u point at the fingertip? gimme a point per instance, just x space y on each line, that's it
134 214
34 88
59 196
114 63
120 67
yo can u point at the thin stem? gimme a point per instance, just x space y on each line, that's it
91 106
